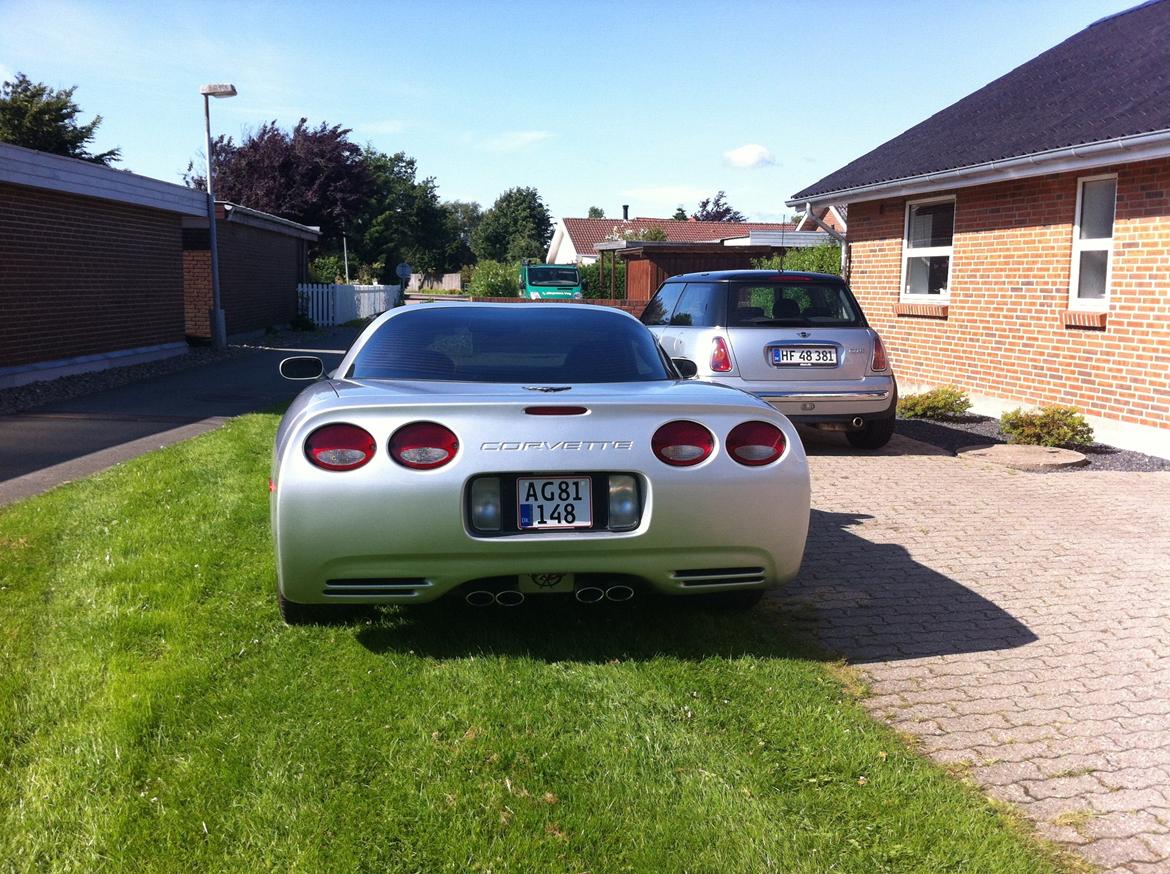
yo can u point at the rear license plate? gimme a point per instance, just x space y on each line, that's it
804 356
554 503
541 584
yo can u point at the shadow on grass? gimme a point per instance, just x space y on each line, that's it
855 599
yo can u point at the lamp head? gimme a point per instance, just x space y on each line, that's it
218 90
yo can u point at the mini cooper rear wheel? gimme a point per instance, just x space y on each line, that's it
875 434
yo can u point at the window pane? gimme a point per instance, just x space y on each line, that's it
805 304
701 306
1091 283
1097 199
932 225
927 275
658 311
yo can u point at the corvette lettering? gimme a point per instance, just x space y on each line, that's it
559 446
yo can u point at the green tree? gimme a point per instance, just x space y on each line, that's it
825 258
596 212
495 279
401 219
35 116
517 226
717 209
680 214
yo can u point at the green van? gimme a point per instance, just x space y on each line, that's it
552 281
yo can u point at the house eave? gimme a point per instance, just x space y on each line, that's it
1122 150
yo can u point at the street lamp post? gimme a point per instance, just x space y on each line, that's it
216 317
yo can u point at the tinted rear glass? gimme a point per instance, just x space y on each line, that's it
701 305
659 310
542 345
805 304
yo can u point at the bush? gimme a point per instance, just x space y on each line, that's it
1047 426
825 258
938 403
495 279
595 285
302 322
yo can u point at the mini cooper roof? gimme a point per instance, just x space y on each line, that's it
748 275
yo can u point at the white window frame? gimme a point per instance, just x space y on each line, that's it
1104 244
927 252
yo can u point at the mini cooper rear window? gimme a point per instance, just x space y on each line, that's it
804 304
551 344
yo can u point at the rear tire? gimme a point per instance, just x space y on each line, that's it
875 434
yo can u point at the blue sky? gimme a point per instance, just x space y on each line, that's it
651 104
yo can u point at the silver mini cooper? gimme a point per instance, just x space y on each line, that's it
797 340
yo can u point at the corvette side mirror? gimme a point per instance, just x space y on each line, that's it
686 368
302 367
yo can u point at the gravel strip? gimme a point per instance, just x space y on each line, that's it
35 394
964 431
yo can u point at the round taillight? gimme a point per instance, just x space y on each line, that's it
755 443
423 445
340 447
682 444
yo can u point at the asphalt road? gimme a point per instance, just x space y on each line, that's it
55 443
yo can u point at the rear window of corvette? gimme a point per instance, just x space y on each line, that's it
547 345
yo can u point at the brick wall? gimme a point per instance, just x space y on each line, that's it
1004 333
258 275
80 276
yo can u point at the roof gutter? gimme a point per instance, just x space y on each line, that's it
1140 147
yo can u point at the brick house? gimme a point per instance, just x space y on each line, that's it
101 268
1017 243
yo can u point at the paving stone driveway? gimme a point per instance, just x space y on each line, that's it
1017 624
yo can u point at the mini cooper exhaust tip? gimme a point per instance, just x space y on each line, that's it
589 594
618 594
858 422
509 598
480 598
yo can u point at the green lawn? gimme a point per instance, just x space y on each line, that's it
155 715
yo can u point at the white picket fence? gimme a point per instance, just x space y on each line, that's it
338 304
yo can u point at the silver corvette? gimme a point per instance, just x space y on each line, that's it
502 451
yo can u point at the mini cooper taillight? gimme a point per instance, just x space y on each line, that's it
340 447
423 445
755 443
682 444
720 356
880 361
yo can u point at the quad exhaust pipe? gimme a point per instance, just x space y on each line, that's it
596 594
480 598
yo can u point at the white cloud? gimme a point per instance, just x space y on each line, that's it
6 75
749 156
513 141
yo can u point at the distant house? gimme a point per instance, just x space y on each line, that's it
574 238
101 268
1017 243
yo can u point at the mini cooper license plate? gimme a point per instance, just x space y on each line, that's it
563 502
804 356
